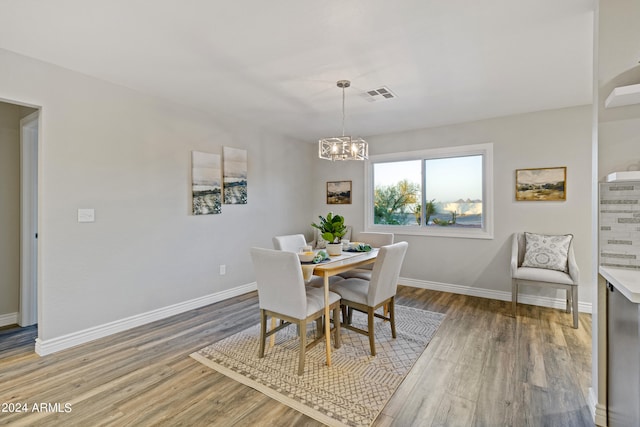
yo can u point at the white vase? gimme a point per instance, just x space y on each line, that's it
334 249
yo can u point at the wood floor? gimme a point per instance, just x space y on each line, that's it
482 368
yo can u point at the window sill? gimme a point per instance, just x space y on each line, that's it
462 232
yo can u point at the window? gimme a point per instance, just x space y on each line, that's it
438 192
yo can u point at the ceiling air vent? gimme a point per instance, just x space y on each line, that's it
378 94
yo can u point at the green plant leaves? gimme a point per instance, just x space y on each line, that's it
332 227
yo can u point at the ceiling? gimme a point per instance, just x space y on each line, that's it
275 63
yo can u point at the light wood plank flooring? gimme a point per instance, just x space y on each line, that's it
482 368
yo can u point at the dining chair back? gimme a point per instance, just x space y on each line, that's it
386 270
375 240
368 295
280 283
289 243
282 295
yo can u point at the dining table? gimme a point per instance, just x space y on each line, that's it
332 267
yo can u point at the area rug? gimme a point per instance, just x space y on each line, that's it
353 391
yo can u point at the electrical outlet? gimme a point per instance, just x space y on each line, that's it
223 269
86 215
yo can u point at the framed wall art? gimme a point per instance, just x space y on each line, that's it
234 177
338 192
206 189
541 184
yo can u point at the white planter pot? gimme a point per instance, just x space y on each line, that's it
334 249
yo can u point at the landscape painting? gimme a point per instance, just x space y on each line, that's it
234 181
546 184
205 182
339 192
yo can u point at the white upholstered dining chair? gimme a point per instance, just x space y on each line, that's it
283 295
289 243
375 240
545 260
368 295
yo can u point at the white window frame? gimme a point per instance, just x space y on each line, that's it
486 232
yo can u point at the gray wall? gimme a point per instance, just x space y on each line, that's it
128 156
9 209
543 139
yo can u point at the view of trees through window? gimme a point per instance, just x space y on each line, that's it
452 189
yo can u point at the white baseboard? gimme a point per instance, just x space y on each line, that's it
598 411
559 303
8 319
44 347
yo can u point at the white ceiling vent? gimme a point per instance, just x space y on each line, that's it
378 94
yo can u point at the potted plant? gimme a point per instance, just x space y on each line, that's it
332 228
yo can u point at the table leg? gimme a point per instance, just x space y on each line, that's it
327 323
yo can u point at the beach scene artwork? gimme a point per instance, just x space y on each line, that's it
206 183
542 184
234 182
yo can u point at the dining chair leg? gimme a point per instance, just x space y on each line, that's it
574 298
336 325
350 315
344 313
372 343
514 297
319 327
392 316
302 327
263 333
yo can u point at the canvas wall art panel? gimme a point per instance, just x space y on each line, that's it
541 184
338 192
206 183
234 165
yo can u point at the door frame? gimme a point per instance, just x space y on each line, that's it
29 141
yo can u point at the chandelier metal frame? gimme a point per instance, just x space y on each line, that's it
343 147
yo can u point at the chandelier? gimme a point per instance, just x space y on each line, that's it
343 147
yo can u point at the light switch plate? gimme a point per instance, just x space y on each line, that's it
86 215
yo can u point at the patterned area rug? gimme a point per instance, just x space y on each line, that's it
351 392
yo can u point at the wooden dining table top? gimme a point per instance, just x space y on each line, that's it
345 262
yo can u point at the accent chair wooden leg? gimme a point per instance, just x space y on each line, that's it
514 297
263 333
336 325
569 291
370 324
392 316
574 298
302 327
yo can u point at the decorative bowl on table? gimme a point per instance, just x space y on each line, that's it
306 256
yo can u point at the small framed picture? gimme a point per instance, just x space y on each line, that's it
338 192
541 184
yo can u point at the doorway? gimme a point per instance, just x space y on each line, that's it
29 131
